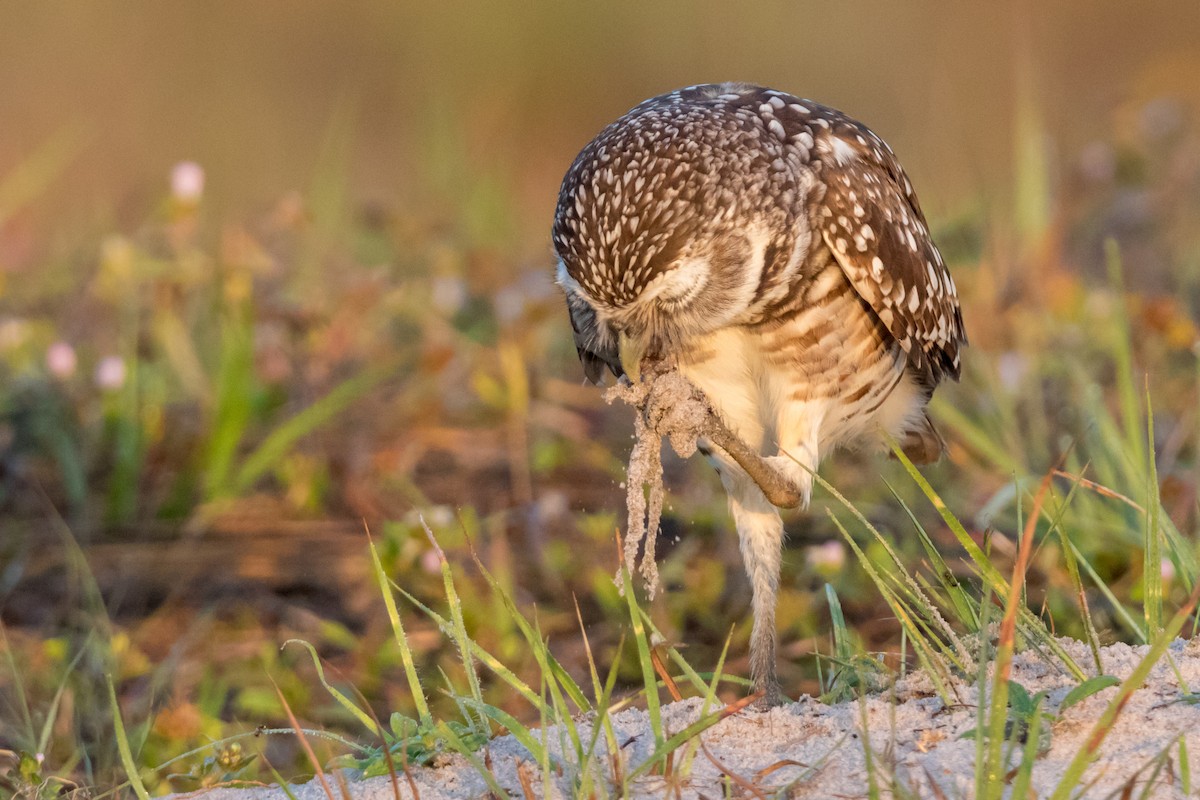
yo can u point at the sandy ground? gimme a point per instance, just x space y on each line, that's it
913 735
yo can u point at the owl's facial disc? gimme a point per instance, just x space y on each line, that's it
677 288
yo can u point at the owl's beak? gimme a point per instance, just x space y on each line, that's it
631 350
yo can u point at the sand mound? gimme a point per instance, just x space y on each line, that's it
818 750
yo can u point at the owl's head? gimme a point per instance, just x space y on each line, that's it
665 221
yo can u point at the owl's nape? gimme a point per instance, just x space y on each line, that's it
772 250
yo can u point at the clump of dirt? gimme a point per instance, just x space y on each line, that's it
666 404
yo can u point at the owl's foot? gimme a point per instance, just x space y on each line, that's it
793 474
772 696
776 479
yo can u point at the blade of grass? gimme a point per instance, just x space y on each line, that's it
1185 766
406 656
18 683
546 660
1118 608
698 680
841 637
603 725
485 658
903 579
1122 352
284 437
52 715
923 645
710 697
997 713
981 682
131 770
280 781
342 700
641 640
1089 627
669 745
519 732
461 638
231 413
1152 582
960 601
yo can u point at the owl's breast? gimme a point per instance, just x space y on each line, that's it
823 367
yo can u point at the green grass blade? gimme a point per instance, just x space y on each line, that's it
1152 581
281 440
1185 767
231 410
1127 392
131 770
976 439
902 577
934 665
1131 622
485 658
510 723
1086 690
546 660
55 703
665 746
18 684
461 638
1068 550
406 656
959 600
697 679
641 640
342 700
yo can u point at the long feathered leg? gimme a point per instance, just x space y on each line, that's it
760 537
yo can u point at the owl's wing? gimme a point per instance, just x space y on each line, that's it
870 220
594 354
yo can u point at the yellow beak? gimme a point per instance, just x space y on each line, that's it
631 350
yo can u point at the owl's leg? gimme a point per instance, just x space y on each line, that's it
760 537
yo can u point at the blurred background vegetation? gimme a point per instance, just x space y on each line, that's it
270 271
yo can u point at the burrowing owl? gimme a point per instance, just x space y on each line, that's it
773 250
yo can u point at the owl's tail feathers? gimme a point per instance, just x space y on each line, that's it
922 443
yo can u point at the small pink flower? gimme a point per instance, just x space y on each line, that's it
827 557
430 562
61 360
1167 569
187 182
110 373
